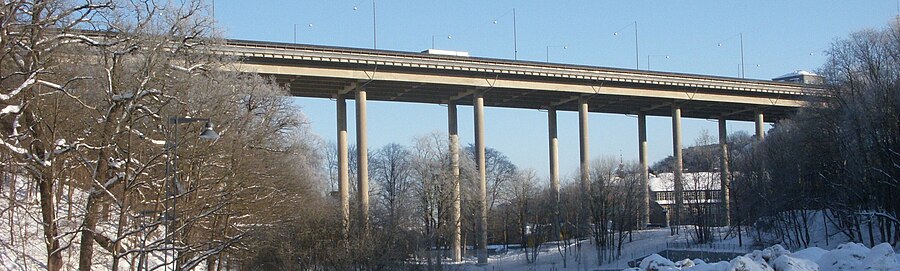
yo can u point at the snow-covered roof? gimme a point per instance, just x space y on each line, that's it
445 52
692 201
691 181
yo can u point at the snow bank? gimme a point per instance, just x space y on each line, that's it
849 256
881 257
657 263
812 254
785 262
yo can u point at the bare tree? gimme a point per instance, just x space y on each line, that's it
433 190
392 168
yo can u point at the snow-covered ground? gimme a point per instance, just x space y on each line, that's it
643 243
848 256
835 254
22 245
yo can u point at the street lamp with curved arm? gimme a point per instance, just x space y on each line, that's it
637 54
741 36
173 187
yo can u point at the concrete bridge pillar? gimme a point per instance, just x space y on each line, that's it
724 174
645 171
760 126
456 232
343 164
362 170
585 223
678 165
554 168
481 221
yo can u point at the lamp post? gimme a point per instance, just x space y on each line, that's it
374 28
650 56
432 39
554 46
515 32
295 31
515 37
173 187
637 54
741 36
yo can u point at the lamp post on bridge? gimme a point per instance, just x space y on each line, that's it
564 47
515 37
173 187
295 31
741 37
374 25
637 54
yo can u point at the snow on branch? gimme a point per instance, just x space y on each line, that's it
201 256
880 214
189 69
132 96
10 109
80 38
62 88
25 84
15 149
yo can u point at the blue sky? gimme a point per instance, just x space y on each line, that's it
778 36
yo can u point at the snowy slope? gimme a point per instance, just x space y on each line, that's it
22 245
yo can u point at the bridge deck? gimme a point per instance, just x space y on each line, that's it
319 71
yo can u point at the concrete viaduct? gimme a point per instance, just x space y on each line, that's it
363 74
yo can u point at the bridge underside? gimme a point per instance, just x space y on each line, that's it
325 72
319 87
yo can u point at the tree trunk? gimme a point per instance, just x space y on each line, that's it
871 233
12 202
92 208
859 236
120 229
48 215
211 263
86 249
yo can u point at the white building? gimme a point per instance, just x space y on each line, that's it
702 193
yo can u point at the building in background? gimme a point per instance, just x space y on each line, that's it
702 199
